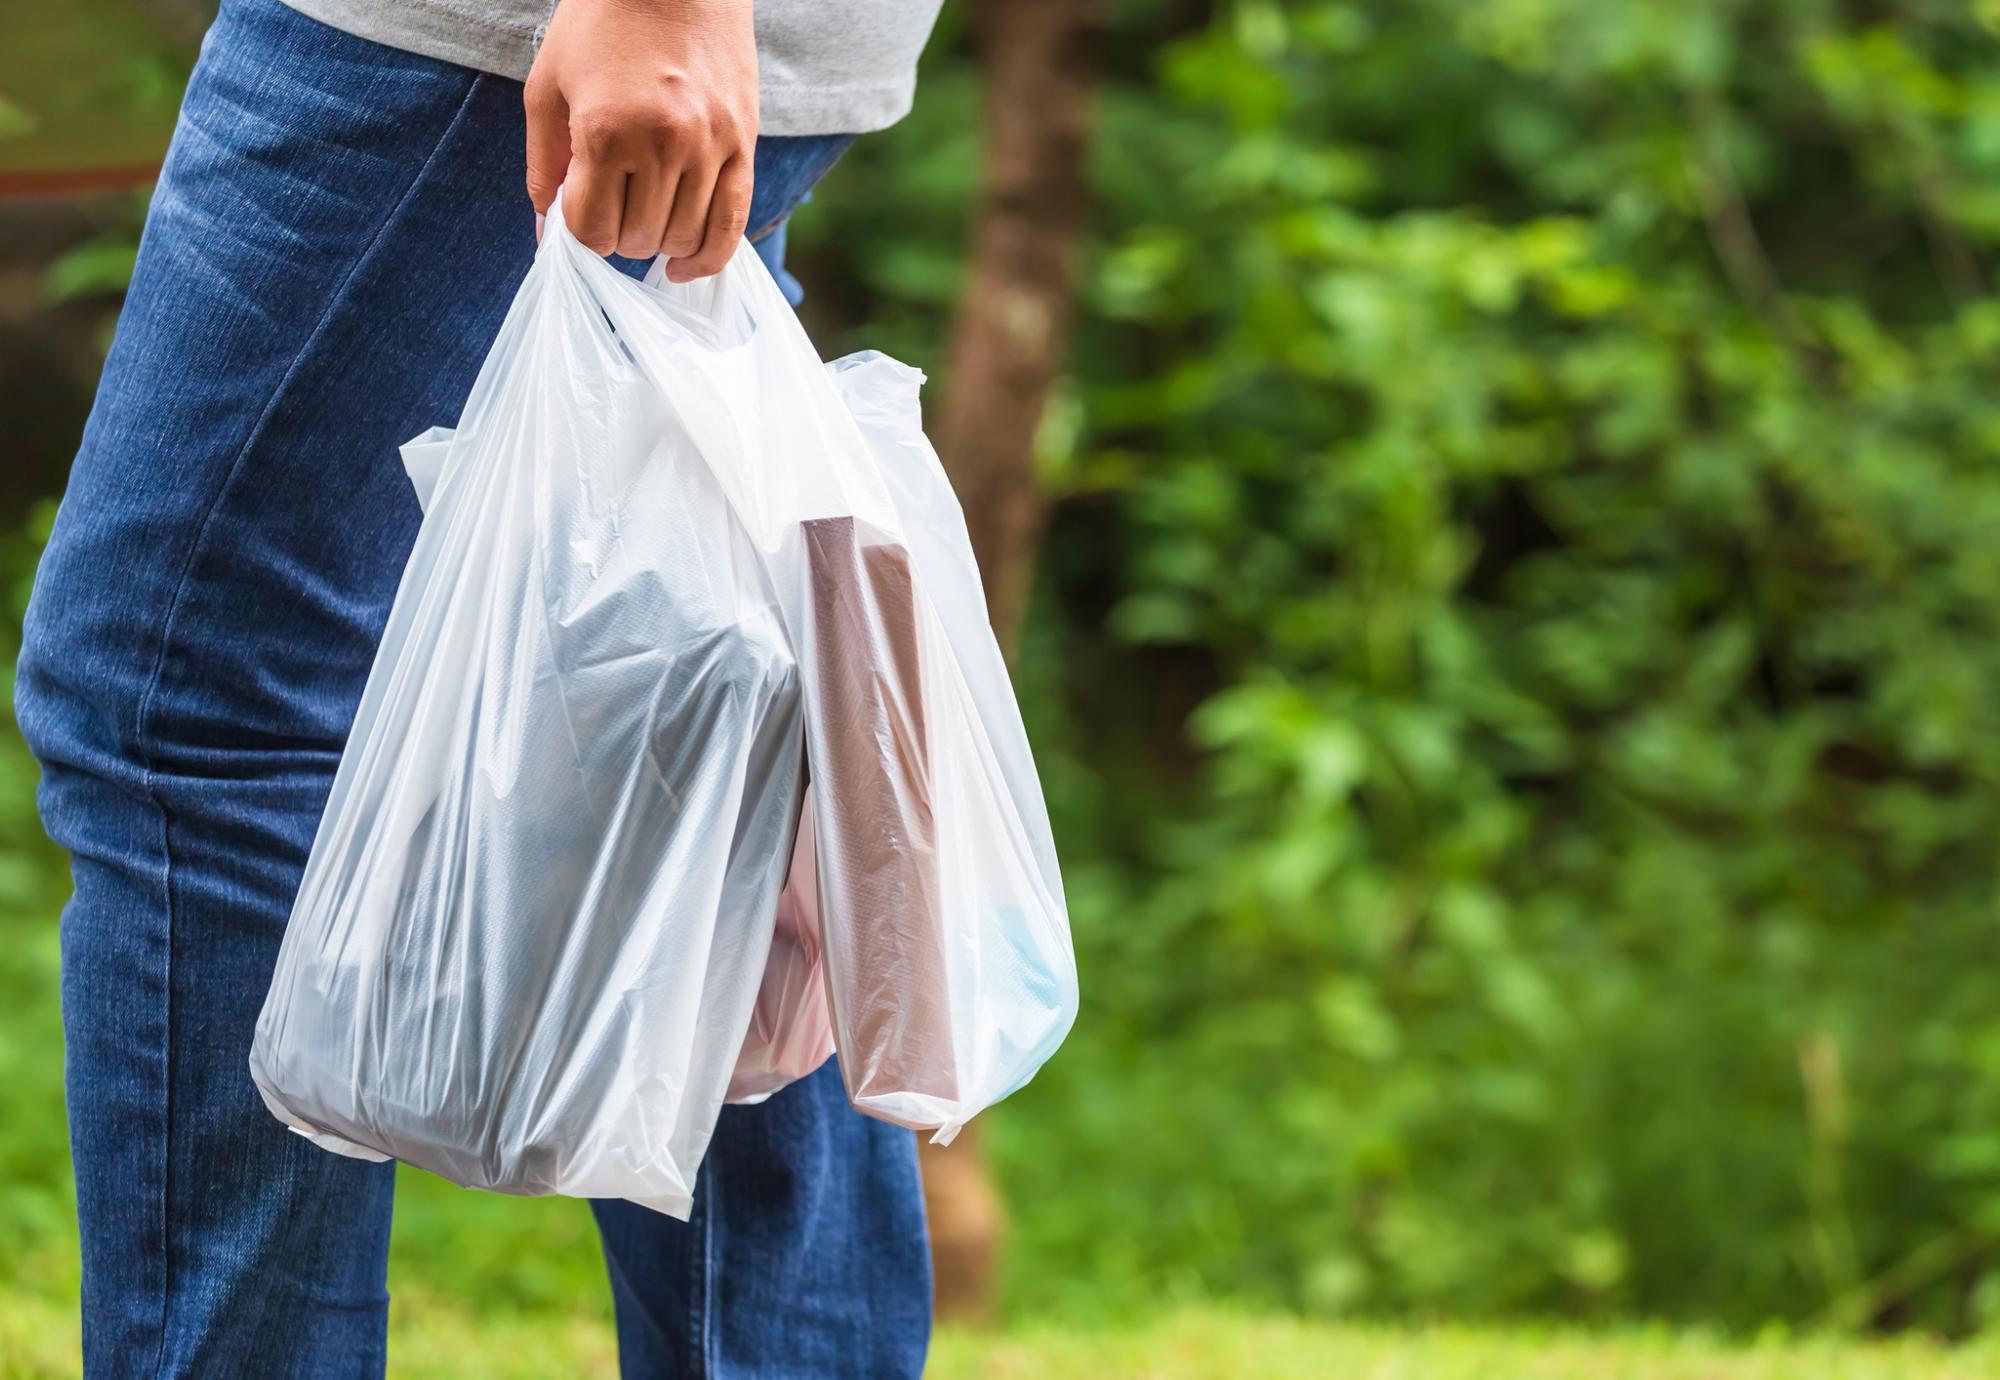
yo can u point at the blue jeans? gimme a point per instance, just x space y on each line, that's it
335 236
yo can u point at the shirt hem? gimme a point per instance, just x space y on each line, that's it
439 31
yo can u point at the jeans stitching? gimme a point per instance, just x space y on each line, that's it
142 738
704 1365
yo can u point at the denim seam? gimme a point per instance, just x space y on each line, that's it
142 737
704 1344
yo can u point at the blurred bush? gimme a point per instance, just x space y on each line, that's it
1518 659
88 90
37 1234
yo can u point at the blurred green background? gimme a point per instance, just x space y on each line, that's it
1514 659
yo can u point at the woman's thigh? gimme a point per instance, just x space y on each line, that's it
331 245
337 232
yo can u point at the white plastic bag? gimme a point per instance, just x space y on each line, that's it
540 910
959 883
791 1030
949 966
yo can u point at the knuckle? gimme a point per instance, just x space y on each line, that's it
651 127
677 127
598 133
661 131
540 99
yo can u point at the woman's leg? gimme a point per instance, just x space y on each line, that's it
333 239
336 235
805 1257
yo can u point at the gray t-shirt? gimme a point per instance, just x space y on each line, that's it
824 66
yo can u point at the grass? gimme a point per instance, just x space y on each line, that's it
502 1288
439 1339
1222 1346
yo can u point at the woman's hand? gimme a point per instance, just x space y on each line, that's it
646 110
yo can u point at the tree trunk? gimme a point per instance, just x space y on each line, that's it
1013 319
1005 352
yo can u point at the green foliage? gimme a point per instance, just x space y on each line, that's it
89 85
1518 665
94 268
36 1202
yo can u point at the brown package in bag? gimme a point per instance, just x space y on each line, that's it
878 869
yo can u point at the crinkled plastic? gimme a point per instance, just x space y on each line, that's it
671 567
947 943
791 1028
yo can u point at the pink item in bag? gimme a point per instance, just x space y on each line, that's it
791 1032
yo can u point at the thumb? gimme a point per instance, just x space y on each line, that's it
548 142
